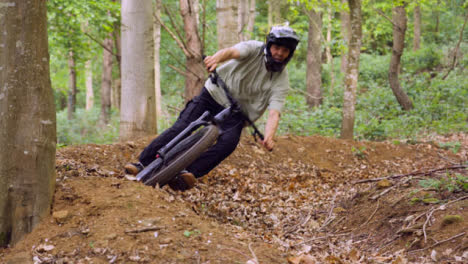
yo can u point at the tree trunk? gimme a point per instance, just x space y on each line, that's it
27 120
417 28
138 110
89 85
352 70
194 64
274 12
242 19
399 28
106 81
346 35
328 50
314 61
71 106
226 13
251 20
157 64
116 87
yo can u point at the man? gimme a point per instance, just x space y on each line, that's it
255 75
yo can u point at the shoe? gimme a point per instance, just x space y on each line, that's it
133 168
183 181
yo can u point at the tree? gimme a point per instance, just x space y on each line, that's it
274 12
417 27
246 19
72 89
27 120
227 18
89 86
352 71
195 69
106 80
346 35
399 29
314 60
137 115
157 64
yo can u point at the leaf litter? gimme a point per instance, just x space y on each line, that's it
300 203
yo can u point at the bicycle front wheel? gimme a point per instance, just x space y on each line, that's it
183 154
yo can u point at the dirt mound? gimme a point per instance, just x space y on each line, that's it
301 201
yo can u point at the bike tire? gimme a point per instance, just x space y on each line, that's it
183 154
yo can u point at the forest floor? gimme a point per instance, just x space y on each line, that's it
301 203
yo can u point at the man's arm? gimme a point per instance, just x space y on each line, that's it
270 129
223 55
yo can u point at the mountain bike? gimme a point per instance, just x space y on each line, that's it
189 144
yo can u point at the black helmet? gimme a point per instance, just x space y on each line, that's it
282 36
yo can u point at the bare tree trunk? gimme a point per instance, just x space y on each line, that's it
352 71
138 110
399 29
71 106
116 87
106 81
89 85
314 61
346 35
417 28
274 12
328 50
251 20
226 13
194 64
157 65
242 19
27 120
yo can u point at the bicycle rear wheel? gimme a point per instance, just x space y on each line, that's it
183 154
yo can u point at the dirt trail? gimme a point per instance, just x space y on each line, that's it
298 202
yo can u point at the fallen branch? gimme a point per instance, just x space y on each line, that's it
144 229
255 259
412 174
330 217
438 243
372 215
432 210
318 238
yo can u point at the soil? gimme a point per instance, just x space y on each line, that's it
301 203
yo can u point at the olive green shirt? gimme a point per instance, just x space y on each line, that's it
249 82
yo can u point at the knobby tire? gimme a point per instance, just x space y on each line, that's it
183 154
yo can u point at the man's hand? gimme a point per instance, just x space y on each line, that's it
211 62
270 129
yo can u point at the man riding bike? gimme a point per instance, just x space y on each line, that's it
256 77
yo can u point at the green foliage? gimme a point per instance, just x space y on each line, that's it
359 152
450 183
454 146
85 128
424 59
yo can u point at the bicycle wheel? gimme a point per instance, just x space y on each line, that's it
183 154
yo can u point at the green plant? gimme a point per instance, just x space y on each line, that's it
195 232
454 146
359 152
450 183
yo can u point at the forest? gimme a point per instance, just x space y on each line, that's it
371 150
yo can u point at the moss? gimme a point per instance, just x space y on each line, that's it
450 219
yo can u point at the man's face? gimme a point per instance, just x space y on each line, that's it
279 53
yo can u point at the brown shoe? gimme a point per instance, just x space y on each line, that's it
133 168
183 181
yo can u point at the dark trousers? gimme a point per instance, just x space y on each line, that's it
227 142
